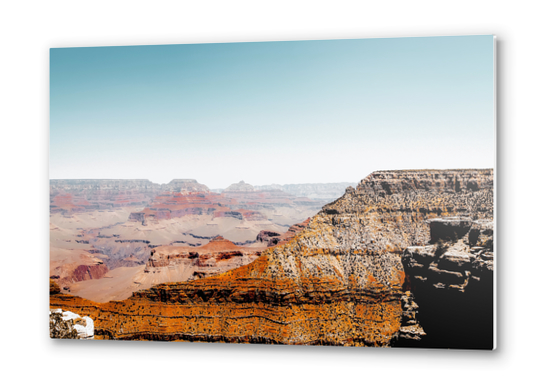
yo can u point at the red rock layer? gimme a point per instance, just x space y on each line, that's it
88 272
87 268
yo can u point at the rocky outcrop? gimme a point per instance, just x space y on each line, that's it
271 238
240 186
191 263
452 263
241 214
433 181
117 253
239 201
137 216
54 288
340 281
86 268
79 195
87 272
69 196
168 205
451 281
69 325
410 331
185 185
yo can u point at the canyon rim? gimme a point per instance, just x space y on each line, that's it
324 193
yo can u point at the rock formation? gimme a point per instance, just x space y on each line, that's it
169 205
451 282
75 195
271 238
192 263
79 195
340 281
98 226
68 196
240 186
83 267
69 325
185 185
240 202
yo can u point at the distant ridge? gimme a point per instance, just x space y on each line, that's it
315 191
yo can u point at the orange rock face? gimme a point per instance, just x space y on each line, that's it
339 281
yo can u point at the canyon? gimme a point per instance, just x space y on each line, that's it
404 259
451 280
103 232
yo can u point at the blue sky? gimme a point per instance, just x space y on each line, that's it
272 112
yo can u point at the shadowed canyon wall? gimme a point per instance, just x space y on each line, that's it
451 281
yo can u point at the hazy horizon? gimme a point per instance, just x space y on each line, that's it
219 187
271 112
255 185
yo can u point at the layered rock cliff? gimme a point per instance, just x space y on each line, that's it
238 201
451 282
340 281
68 196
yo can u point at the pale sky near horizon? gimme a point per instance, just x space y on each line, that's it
271 112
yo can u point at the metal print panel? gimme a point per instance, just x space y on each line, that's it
336 192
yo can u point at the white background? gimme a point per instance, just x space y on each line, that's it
29 29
